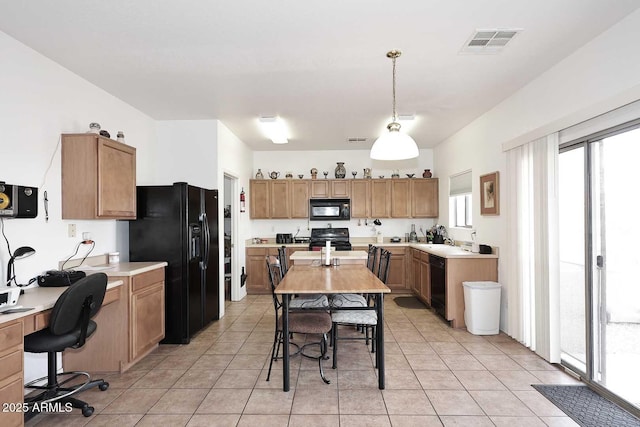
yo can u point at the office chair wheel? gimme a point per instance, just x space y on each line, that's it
103 386
87 411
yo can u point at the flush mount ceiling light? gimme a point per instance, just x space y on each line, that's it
274 129
394 145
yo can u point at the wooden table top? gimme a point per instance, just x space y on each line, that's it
309 279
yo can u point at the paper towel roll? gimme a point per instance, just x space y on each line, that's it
327 256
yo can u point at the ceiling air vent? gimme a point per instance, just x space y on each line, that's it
489 41
356 140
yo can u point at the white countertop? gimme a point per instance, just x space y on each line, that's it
343 255
123 268
445 251
42 299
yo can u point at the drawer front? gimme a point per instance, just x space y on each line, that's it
395 250
11 335
142 280
257 251
112 295
42 320
424 256
29 324
11 394
11 364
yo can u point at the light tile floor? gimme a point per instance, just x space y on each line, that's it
435 376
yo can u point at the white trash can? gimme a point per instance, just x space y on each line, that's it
482 307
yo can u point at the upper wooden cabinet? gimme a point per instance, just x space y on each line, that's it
98 178
330 189
340 189
259 199
360 198
380 198
278 199
370 198
320 188
299 199
424 198
400 198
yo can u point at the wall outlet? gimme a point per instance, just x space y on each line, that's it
86 235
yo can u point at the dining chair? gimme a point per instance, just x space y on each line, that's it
300 322
368 319
356 300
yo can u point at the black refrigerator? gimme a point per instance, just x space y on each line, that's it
179 224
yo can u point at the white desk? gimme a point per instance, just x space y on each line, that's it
13 328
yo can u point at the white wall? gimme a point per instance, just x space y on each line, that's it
602 75
40 100
301 162
187 152
235 159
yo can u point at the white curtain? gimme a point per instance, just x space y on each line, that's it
532 246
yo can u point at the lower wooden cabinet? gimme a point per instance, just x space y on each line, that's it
397 279
136 319
421 276
146 313
11 371
257 279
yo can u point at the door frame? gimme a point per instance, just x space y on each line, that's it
235 256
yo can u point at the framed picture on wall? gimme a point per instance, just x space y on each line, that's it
490 194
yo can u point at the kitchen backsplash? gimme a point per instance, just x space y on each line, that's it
390 227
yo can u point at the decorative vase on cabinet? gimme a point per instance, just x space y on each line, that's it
341 171
427 173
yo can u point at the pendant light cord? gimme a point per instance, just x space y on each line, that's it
394 88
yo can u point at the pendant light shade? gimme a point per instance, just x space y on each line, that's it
393 144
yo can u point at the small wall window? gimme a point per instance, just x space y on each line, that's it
460 200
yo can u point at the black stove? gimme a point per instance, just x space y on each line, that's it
339 238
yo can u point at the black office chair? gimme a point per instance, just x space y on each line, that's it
309 322
70 325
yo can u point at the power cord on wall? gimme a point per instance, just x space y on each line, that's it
83 242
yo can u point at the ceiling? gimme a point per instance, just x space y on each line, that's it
321 66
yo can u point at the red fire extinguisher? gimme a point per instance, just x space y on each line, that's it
242 200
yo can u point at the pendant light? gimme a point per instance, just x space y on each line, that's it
394 145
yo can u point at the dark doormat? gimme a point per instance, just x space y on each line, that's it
586 407
409 302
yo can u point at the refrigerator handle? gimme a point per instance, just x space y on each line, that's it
207 243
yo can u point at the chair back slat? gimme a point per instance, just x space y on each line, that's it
383 270
275 276
282 257
372 255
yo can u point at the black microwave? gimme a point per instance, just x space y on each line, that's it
329 209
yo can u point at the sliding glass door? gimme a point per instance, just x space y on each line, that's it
600 261
572 257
